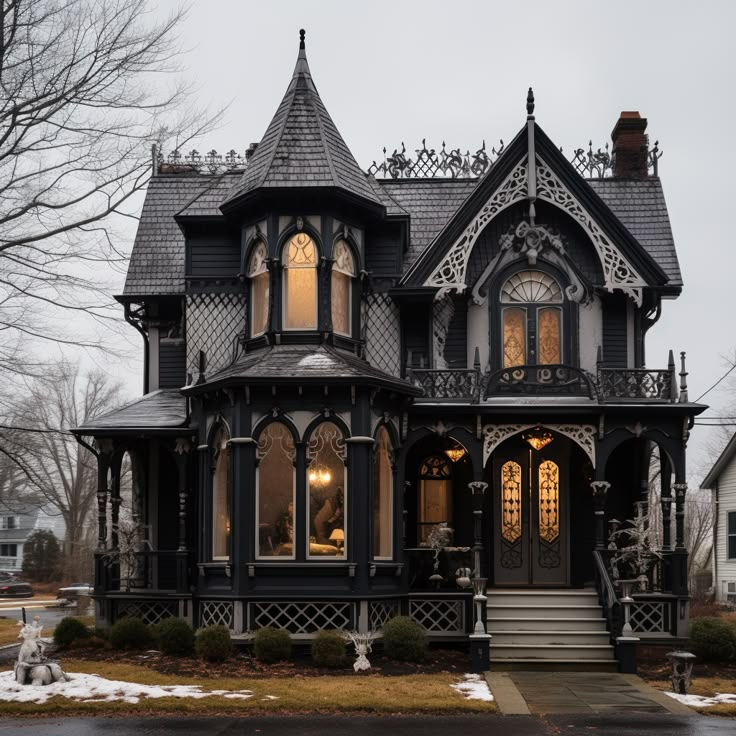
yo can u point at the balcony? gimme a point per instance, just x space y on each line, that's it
608 385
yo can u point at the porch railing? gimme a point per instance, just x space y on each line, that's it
448 385
637 384
150 569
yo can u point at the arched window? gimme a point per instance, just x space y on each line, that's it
343 271
259 289
326 484
383 497
531 321
221 496
300 283
435 495
275 454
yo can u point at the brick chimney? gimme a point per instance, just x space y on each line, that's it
631 145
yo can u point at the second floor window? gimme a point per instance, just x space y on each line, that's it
300 283
343 271
531 317
259 289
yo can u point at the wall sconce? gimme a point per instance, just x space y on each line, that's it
538 438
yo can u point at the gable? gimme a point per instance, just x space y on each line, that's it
626 266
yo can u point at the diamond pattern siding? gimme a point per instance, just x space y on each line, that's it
381 333
214 322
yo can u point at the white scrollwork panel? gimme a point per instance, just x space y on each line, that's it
617 271
582 435
450 274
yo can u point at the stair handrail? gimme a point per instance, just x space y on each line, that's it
607 595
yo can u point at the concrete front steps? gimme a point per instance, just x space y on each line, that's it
548 628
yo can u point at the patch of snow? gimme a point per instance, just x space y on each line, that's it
473 687
95 689
700 701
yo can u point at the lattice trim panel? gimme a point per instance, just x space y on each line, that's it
381 333
214 321
217 613
302 617
150 612
650 617
379 612
439 616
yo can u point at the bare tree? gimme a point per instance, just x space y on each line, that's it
60 471
86 86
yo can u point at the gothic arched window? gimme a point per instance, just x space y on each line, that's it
220 495
259 289
383 496
327 492
300 283
531 319
343 271
275 453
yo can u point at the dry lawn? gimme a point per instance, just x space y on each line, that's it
8 631
428 694
708 687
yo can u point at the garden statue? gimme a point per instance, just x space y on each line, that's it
33 666
363 644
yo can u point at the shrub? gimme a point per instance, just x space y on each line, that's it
69 630
213 643
713 639
404 639
175 637
272 645
328 649
130 633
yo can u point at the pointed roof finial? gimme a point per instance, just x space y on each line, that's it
302 33
530 102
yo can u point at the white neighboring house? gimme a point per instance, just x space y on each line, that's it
722 481
17 523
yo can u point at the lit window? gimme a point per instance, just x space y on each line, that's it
300 283
221 496
383 491
435 495
532 330
259 289
326 454
275 454
343 271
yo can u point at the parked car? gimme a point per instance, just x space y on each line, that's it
11 587
74 590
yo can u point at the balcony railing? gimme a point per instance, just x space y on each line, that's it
470 385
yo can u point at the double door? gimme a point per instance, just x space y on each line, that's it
530 517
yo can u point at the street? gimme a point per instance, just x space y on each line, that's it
50 615
613 725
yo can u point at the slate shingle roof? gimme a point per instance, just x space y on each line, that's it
302 147
303 362
640 206
162 409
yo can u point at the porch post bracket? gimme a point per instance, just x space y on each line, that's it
600 491
680 492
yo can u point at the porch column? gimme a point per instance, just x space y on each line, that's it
666 503
680 492
115 502
600 490
182 452
678 558
104 456
478 490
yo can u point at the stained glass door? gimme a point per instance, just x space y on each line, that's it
530 516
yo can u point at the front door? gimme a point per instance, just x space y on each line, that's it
530 516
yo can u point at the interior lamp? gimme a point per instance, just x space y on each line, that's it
338 537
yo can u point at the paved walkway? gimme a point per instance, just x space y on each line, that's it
522 693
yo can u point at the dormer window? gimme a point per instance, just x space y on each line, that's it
343 271
300 283
531 315
259 289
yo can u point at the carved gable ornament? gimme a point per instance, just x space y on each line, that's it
617 271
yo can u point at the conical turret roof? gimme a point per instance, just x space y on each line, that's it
302 148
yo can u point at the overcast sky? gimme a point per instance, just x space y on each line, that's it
459 71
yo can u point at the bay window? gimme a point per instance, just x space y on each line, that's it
300 283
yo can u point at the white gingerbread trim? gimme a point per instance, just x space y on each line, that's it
583 435
450 274
617 271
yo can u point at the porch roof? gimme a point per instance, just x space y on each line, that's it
159 410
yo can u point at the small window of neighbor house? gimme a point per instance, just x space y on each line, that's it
731 535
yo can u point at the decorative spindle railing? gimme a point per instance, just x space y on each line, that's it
448 385
636 384
540 379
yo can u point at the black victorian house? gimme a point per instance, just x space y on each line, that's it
383 392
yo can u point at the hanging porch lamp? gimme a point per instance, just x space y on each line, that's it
538 438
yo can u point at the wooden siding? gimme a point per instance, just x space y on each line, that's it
615 332
725 569
212 256
172 364
456 347
383 249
